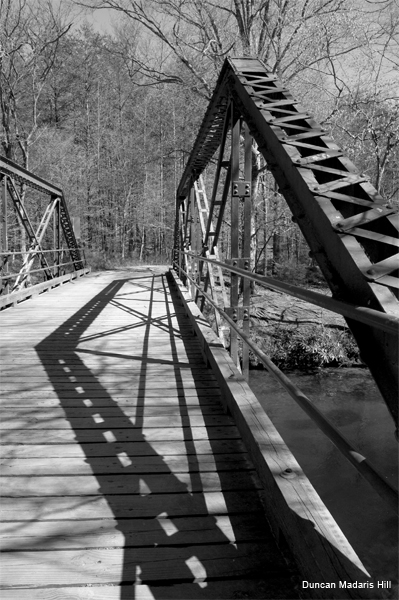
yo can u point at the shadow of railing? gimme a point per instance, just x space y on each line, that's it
324 557
170 528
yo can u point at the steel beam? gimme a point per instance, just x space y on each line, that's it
352 233
246 244
20 174
234 229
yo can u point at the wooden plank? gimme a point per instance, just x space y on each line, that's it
206 398
122 506
109 379
28 386
62 436
98 394
156 564
128 483
88 358
113 411
276 586
39 421
234 448
96 347
96 533
116 366
12 363
104 337
34 467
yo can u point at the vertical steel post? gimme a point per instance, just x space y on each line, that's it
57 238
186 235
4 235
180 239
195 245
235 223
246 247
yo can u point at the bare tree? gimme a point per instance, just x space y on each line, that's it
30 35
365 113
289 35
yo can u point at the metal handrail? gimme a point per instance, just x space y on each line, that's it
368 316
382 487
57 266
38 251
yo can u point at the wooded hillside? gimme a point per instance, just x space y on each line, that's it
111 116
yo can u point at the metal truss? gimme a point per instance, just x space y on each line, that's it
12 176
351 231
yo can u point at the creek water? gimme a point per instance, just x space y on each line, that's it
352 402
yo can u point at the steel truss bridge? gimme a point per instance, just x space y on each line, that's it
111 402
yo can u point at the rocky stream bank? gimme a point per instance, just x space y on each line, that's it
299 335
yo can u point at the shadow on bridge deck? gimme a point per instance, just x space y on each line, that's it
133 483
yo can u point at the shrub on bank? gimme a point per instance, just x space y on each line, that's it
307 348
303 346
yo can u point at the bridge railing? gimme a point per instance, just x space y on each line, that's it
59 265
368 316
38 242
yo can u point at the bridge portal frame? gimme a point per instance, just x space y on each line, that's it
13 180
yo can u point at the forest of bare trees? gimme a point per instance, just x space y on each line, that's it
110 114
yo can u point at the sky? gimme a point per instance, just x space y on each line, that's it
102 20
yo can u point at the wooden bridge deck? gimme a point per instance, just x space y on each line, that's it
122 477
